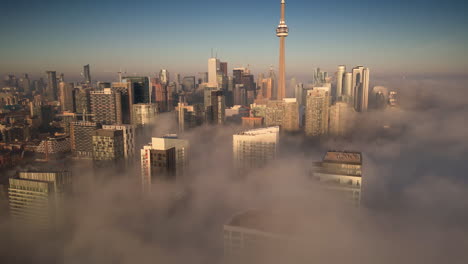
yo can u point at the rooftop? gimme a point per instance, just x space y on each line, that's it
347 157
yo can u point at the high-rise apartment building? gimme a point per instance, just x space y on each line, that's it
347 87
81 135
36 198
341 172
290 120
108 147
316 113
106 106
255 148
128 132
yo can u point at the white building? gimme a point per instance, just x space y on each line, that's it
255 148
339 80
213 69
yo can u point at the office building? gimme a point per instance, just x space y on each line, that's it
144 114
316 112
140 91
216 110
188 83
128 132
81 136
360 86
255 148
36 199
189 116
66 96
87 74
164 158
213 69
164 77
82 100
126 100
340 74
290 122
106 107
341 172
347 86
52 88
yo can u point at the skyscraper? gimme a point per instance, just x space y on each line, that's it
66 96
347 86
213 69
341 118
316 113
144 114
282 32
140 89
52 89
87 74
339 81
216 111
255 148
360 88
164 77
106 107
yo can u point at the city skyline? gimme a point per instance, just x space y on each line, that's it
391 38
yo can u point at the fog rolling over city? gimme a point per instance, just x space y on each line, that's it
413 203
252 155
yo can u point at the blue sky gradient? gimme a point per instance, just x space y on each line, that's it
390 37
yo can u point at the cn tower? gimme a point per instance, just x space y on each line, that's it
282 32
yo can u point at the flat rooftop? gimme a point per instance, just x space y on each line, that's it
347 157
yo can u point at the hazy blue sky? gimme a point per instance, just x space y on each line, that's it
397 37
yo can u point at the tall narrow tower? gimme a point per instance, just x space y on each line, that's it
282 32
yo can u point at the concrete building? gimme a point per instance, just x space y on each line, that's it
341 172
255 148
213 69
128 139
87 74
66 96
317 112
164 157
36 199
290 121
144 114
282 32
106 107
81 137
341 119
108 147
340 74
216 110
252 122
52 88
189 116
262 236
